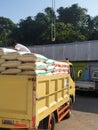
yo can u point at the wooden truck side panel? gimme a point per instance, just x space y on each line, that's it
51 93
26 100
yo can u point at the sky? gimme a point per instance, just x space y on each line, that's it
21 9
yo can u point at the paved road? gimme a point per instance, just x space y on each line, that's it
84 114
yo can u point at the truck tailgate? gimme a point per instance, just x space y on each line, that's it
15 97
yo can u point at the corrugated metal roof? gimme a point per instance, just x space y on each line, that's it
78 51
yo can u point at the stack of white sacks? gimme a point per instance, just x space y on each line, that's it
23 63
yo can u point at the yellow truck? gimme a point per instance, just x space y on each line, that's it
35 102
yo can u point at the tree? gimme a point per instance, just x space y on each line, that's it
23 32
6 27
95 23
44 22
72 24
74 14
94 31
67 33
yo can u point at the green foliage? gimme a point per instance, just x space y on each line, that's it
73 15
6 27
72 24
67 33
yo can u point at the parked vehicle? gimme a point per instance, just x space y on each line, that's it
86 76
35 102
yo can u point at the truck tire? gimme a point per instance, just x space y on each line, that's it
52 122
48 123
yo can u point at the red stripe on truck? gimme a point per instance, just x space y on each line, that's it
33 121
20 125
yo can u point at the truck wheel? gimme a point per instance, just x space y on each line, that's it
52 122
48 123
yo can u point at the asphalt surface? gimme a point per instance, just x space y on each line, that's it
84 113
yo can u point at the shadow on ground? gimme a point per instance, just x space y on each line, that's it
86 102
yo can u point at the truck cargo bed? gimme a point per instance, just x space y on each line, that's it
25 100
